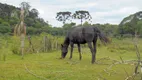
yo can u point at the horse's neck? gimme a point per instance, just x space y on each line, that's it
66 41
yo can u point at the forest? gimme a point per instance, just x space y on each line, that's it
36 25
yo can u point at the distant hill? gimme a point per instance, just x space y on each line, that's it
33 22
131 24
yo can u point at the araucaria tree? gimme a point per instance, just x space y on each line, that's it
82 15
63 16
20 28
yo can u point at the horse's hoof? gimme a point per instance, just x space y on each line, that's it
61 58
94 62
70 58
80 58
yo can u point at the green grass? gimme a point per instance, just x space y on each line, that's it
49 66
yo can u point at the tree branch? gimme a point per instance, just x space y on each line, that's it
34 74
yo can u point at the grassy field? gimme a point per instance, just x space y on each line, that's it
48 66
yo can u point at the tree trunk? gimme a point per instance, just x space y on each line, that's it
22 44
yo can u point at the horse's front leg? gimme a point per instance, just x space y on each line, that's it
79 50
92 51
72 45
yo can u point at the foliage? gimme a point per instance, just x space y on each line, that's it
4 29
20 27
68 26
131 24
82 15
34 13
36 25
86 23
25 6
15 45
108 29
63 16
7 17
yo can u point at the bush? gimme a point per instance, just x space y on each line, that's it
5 29
1 20
15 46
127 35
5 23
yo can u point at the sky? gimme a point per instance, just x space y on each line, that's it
102 11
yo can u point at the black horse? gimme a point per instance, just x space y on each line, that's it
81 35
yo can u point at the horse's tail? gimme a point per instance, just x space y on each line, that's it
102 37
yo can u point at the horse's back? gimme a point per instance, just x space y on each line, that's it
75 35
82 34
89 34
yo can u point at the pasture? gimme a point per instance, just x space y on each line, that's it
48 66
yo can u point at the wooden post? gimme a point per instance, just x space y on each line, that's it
22 44
30 44
45 43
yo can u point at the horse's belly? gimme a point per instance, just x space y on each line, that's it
79 41
83 42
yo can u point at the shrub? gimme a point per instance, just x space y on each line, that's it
15 46
5 29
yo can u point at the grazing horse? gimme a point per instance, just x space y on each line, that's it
81 35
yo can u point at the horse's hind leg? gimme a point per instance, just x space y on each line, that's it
94 44
92 51
79 50
72 45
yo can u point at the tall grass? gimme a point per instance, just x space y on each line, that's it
48 65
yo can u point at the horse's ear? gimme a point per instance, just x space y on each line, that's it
61 45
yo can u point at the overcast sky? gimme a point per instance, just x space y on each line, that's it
102 11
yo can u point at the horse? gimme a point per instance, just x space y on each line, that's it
81 35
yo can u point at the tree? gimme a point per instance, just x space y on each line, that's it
68 26
25 6
20 28
82 15
10 15
34 13
31 19
63 16
86 24
3 12
130 25
139 26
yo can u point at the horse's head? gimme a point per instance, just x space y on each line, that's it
64 50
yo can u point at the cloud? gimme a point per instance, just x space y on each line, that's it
102 11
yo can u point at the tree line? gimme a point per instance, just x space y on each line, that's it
9 17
